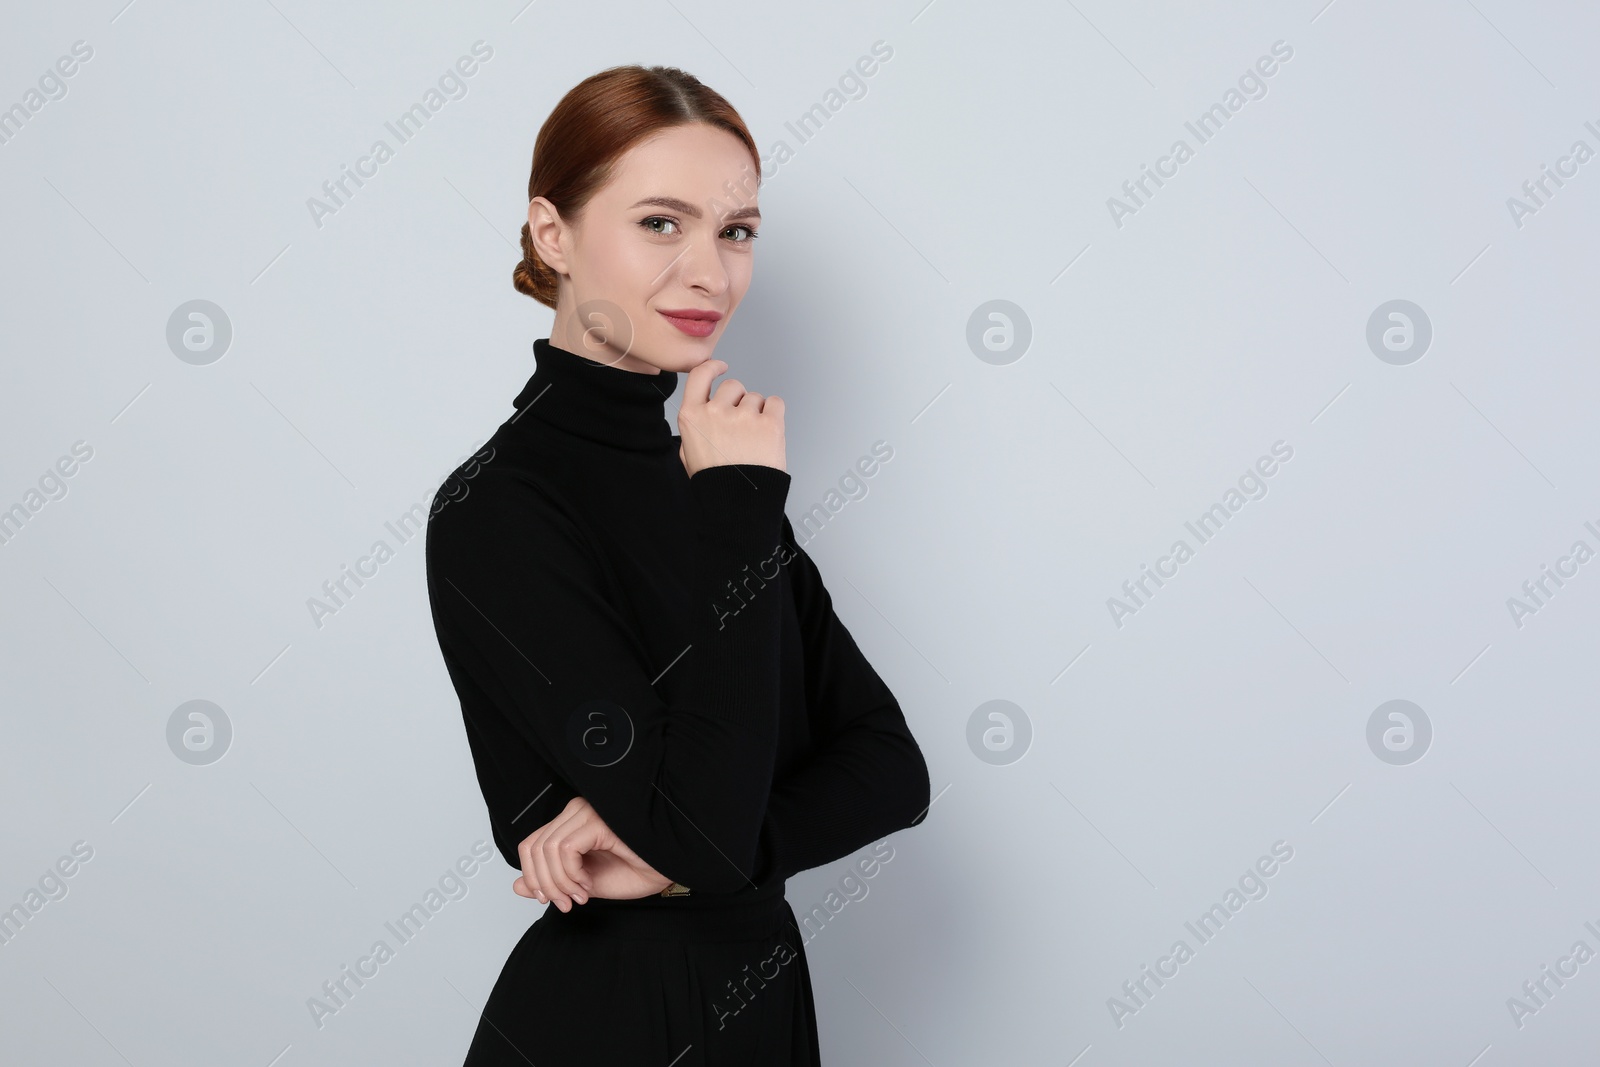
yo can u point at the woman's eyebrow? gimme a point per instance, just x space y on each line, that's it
689 209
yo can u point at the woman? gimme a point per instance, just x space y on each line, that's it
666 716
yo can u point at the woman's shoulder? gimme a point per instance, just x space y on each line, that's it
501 489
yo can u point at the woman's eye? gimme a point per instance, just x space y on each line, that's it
656 224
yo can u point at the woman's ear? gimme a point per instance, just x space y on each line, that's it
549 233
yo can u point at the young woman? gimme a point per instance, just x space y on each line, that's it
666 716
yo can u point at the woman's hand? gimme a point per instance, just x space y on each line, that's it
575 856
734 426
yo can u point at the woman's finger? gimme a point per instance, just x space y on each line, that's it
571 860
547 891
541 866
697 384
552 856
558 886
563 850
530 872
730 391
539 886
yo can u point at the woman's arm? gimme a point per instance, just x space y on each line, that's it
518 603
867 777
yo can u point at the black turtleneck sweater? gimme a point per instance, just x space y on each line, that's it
657 644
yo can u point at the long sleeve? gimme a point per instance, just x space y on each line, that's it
518 594
866 776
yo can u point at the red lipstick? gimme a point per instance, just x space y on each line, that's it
693 321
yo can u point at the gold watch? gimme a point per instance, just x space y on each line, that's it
675 890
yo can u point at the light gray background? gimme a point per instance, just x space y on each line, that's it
372 354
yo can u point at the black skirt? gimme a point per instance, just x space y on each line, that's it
710 984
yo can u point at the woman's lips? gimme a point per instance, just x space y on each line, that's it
693 323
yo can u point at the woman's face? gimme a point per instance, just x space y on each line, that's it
672 231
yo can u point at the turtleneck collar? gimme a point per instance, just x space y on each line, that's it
607 405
